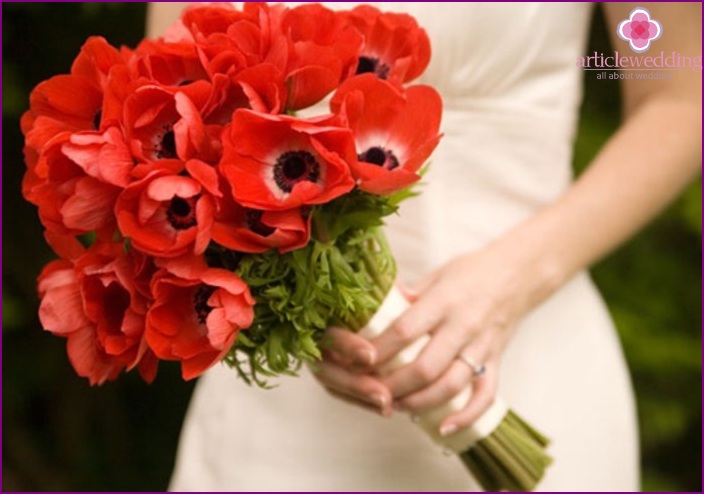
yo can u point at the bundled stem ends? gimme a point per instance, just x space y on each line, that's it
512 458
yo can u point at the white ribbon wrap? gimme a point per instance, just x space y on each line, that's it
391 308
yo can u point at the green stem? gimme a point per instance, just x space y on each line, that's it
319 231
379 253
377 262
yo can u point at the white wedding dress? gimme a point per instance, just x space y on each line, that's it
512 89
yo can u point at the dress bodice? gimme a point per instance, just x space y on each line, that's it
511 92
520 54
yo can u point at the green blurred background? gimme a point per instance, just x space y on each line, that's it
61 434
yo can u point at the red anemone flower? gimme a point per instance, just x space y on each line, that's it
97 303
395 131
197 314
169 64
69 201
199 21
229 40
277 162
166 124
104 156
238 47
324 52
395 47
253 231
260 88
168 215
72 102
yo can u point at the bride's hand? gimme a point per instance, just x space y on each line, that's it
469 308
346 371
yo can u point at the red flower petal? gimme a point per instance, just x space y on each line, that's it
419 122
87 359
401 125
61 309
195 320
95 59
166 215
324 52
65 246
255 146
94 301
103 156
394 39
70 99
252 231
90 207
148 366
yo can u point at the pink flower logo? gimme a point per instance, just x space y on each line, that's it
639 30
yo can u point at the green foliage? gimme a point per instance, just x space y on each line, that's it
356 210
339 278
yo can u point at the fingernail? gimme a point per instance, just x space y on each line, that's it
366 356
379 400
448 429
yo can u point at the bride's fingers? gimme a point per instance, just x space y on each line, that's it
483 396
418 320
452 382
351 346
434 360
357 403
342 361
459 374
334 357
360 387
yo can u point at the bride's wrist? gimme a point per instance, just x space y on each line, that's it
537 270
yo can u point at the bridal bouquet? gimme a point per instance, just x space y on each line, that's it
200 218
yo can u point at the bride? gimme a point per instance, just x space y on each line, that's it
494 253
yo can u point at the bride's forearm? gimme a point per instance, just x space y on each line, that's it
644 166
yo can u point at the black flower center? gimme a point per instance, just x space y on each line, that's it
380 157
200 302
182 213
293 167
253 219
373 65
166 147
